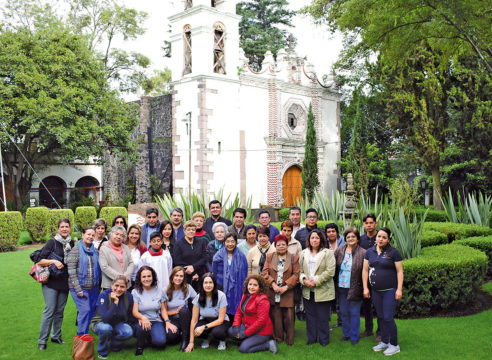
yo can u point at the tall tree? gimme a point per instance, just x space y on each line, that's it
261 29
309 172
56 104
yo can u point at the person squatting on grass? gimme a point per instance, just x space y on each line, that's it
384 270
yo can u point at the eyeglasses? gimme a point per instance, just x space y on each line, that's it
311 217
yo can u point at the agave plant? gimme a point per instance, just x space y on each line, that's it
380 208
472 210
329 206
407 236
199 203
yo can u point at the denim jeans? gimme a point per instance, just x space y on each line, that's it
156 336
350 313
86 308
112 337
385 304
55 301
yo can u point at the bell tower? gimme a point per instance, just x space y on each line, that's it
204 39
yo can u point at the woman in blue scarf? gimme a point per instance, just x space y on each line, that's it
84 278
231 269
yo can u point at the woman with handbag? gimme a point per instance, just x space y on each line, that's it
84 278
281 274
55 291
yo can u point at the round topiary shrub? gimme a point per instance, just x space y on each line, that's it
10 229
456 231
109 213
432 238
56 215
37 223
85 216
482 243
441 277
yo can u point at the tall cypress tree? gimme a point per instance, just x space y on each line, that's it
309 173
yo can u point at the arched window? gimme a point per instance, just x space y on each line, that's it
213 3
57 188
188 4
187 49
219 44
292 120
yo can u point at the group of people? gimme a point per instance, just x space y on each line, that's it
173 282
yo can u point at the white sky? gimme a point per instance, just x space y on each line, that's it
315 42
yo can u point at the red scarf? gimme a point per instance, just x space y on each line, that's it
152 253
200 233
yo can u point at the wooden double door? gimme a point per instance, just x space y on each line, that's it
291 186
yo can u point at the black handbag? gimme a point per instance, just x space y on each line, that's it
55 273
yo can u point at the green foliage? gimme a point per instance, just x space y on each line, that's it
432 215
441 277
309 172
10 229
403 194
199 203
262 28
85 216
108 213
458 231
472 210
283 214
56 103
159 83
329 206
55 215
36 223
407 236
482 243
432 238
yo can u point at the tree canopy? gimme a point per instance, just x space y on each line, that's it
56 103
309 173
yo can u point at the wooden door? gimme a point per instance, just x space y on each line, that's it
291 186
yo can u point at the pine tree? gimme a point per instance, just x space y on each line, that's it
310 163
259 29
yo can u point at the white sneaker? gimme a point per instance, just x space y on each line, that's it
381 346
206 344
222 345
392 350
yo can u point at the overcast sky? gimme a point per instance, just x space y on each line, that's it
314 42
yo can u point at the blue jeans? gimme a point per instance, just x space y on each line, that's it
55 301
112 337
86 307
156 335
350 313
385 304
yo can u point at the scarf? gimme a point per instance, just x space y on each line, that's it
84 264
200 232
152 253
233 277
263 256
119 255
219 245
65 242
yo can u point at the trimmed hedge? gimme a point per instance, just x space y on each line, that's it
85 216
109 213
10 229
456 231
432 238
36 223
283 214
441 277
55 216
432 215
482 243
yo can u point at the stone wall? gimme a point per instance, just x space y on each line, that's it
120 177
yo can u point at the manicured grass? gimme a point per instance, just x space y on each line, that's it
21 305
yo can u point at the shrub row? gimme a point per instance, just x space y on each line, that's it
441 277
109 213
482 243
432 215
85 216
10 229
36 223
432 238
458 231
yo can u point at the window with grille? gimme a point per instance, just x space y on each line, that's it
187 50
292 120
219 44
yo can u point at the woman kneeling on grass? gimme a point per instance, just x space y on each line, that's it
209 318
252 322
149 309
383 268
114 321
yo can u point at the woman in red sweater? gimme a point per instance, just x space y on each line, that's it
252 322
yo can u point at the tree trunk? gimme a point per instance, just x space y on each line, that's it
437 193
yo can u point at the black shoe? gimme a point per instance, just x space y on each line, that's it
354 342
184 345
301 316
42 346
58 341
345 338
139 352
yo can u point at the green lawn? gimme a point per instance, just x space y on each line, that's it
22 303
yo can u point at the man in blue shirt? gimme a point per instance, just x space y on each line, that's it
152 224
264 219
177 223
311 224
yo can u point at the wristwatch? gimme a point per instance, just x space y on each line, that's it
205 327
167 320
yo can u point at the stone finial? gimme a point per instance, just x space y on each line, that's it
267 61
350 193
281 56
